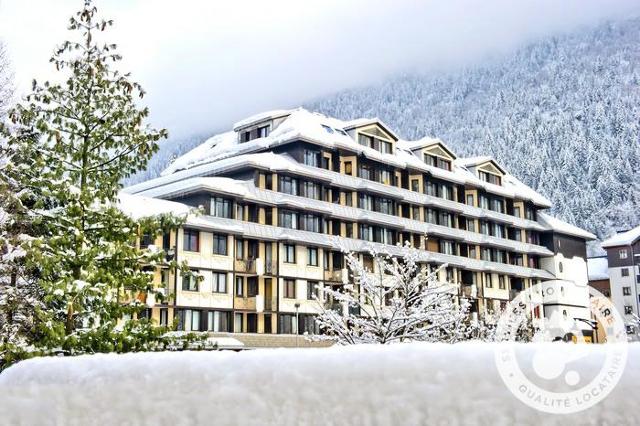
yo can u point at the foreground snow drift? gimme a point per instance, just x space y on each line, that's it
401 384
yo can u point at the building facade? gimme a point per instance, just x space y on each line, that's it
286 193
623 258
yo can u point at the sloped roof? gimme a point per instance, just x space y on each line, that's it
563 227
623 239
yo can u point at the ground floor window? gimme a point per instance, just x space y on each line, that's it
286 323
164 317
189 320
237 323
219 321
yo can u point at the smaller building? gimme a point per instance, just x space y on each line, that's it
599 274
623 257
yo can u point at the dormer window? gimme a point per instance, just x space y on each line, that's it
490 178
378 144
365 140
263 131
245 137
327 129
438 162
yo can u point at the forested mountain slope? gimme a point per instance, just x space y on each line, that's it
561 114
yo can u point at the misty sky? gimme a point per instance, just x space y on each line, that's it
206 64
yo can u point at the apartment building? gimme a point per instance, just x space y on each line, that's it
285 193
623 259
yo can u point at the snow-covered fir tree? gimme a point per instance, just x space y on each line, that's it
401 300
77 140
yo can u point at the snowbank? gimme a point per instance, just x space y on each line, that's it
402 384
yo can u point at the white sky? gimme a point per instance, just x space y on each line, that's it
207 63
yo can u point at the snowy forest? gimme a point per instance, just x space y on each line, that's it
561 114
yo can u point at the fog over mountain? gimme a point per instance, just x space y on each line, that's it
561 114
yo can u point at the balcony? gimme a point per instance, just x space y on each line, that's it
337 275
469 291
247 266
270 268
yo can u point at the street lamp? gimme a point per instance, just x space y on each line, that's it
297 306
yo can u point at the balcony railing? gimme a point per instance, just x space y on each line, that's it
336 275
247 266
270 268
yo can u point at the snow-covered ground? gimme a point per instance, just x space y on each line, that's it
400 384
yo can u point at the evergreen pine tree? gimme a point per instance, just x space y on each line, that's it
77 140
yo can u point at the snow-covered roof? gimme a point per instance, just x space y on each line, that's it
623 238
262 116
361 122
425 142
139 206
562 227
598 268
319 129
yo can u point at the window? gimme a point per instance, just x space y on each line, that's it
252 323
237 323
312 256
365 140
386 177
190 281
221 207
218 321
289 289
446 247
484 202
366 232
146 240
365 202
624 272
189 320
484 228
327 129
164 317
498 230
288 185
623 253
487 281
415 185
219 283
288 219
431 216
311 158
471 225
498 206
626 291
310 190
446 192
386 147
312 290
415 212
191 240
430 188
384 205
516 211
239 286
252 286
263 131
286 323
489 177
470 200
430 160
485 254
628 310
348 168
560 266
220 244
245 137
445 219
501 284
365 172
309 222
289 253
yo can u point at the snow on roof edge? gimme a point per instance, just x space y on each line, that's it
623 238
